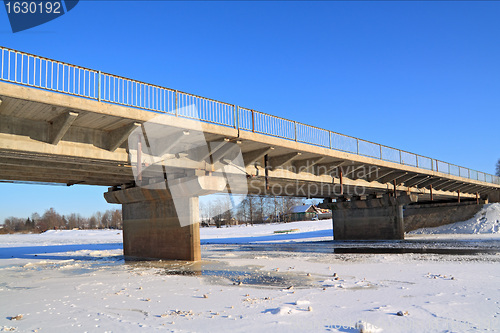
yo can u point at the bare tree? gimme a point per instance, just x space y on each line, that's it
51 220
498 168
116 219
72 221
92 222
289 203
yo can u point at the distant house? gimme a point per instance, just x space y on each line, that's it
303 213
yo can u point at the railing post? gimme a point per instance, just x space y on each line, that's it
381 152
236 116
357 146
400 157
176 103
253 121
295 130
330 139
99 86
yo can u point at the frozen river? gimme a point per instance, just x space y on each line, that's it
253 279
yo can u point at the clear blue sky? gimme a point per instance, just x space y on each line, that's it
420 76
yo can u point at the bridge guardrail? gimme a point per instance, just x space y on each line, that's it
44 73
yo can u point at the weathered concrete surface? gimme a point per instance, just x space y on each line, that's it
151 226
368 223
435 215
374 219
494 196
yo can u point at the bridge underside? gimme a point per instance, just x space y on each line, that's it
57 138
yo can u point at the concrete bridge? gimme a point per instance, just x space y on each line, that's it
61 123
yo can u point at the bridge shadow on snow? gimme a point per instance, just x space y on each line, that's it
47 251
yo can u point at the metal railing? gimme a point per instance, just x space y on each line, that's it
31 70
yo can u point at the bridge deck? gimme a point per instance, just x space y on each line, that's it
75 132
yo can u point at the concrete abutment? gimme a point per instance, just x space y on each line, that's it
438 214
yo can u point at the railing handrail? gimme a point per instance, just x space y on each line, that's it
223 116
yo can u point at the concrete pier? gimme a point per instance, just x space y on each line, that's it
152 227
373 219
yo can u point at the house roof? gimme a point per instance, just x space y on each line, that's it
303 209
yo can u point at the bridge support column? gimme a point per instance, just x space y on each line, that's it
152 225
494 196
373 219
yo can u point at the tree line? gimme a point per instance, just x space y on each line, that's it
110 219
252 209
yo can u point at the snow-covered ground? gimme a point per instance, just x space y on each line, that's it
252 278
276 232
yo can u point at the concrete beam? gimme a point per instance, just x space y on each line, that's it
305 165
202 153
349 172
452 187
405 178
442 184
368 170
328 168
60 125
476 188
379 175
61 173
214 147
486 190
430 181
372 170
253 156
467 188
414 182
64 179
277 161
390 177
64 166
22 156
226 155
119 135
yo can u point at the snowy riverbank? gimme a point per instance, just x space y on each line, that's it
256 278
